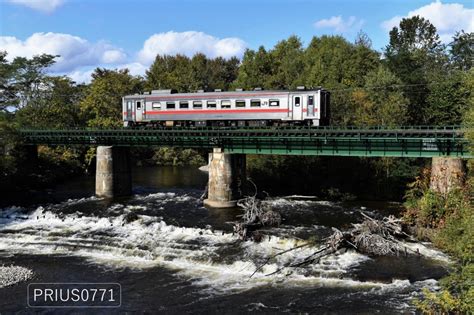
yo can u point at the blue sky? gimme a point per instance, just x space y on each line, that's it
127 33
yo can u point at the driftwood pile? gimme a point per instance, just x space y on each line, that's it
371 236
256 215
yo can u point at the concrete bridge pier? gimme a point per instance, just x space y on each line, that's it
446 174
226 179
113 173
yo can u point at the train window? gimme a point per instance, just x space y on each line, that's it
170 105
274 102
297 101
310 100
211 104
156 105
129 105
255 103
197 104
225 104
139 105
184 104
240 103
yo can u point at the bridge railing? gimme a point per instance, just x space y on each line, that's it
422 141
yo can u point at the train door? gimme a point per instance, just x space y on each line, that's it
310 104
139 109
129 110
297 101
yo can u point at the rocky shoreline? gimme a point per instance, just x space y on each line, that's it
10 275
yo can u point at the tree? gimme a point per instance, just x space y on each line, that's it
102 105
29 77
187 75
200 73
222 72
7 89
57 106
256 69
288 64
462 50
447 99
22 80
325 60
468 120
381 101
339 66
363 60
413 53
169 72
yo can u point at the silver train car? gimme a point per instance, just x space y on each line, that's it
233 108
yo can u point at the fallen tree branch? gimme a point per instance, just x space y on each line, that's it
278 254
371 237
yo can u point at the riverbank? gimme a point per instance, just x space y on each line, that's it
447 221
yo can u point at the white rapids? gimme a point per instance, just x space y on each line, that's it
216 260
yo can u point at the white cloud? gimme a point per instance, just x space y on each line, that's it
81 76
339 24
189 43
46 6
74 51
79 57
135 68
448 18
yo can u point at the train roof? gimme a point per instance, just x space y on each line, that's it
218 93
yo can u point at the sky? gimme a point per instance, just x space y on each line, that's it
130 33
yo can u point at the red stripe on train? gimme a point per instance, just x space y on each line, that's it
215 111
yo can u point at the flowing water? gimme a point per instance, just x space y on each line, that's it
171 254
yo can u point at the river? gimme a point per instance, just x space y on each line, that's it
179 257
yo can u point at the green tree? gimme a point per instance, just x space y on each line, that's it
102 104
326 58
200 73
380 101
222 72
187 75
8 96
462 50
447 99
339 66
288 62
468 121
256 69
169 72
57 106
362 61
22 80
413 53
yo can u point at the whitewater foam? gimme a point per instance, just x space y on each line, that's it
194 253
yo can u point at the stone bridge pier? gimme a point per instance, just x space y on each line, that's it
113 172
227 178
446 174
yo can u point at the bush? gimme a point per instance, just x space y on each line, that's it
450 222
177 156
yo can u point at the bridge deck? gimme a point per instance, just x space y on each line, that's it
402 142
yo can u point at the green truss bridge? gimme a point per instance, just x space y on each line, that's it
419 141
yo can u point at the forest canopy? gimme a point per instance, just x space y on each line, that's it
415 80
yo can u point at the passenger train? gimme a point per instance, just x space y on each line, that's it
232 108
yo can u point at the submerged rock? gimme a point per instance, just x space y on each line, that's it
130 217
